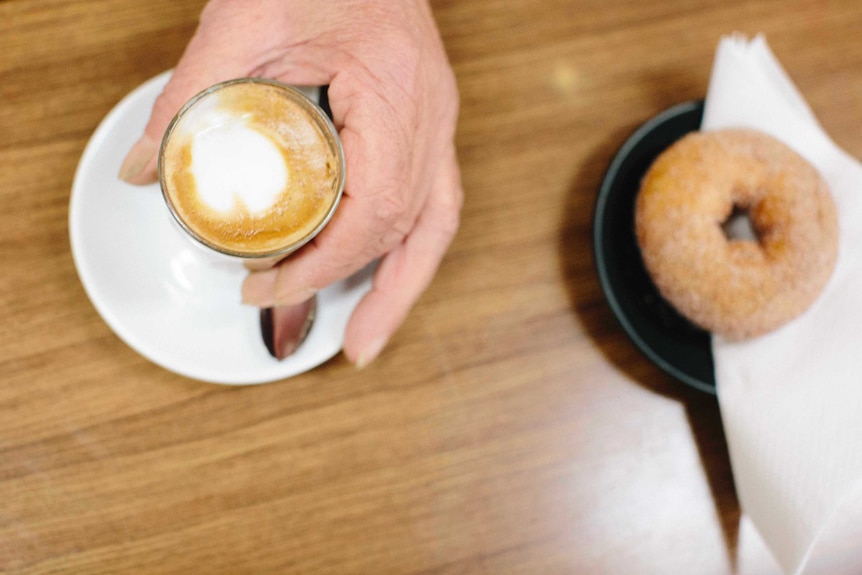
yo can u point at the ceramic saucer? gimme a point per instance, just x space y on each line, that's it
161 294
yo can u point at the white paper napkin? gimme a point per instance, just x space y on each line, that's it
791 401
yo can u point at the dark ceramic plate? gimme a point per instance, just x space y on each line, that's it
666 338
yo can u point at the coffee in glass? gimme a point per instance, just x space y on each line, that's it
251 168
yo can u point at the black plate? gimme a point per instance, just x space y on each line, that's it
666 338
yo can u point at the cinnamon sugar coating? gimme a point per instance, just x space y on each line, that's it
736 288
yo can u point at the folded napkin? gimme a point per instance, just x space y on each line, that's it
791 401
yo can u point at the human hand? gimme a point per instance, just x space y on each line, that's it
395 103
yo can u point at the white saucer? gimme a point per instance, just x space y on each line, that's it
160 293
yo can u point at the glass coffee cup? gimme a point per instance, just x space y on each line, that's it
251 170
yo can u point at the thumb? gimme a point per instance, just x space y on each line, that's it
203 64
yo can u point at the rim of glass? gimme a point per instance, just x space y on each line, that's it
319 117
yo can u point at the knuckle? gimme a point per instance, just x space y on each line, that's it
389 208
452 217
392 223
448 221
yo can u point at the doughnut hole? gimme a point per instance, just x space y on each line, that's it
738 225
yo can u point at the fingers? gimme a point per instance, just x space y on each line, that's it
402 277
372 219
406 272
349 242
257 265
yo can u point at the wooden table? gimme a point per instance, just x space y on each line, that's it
510 427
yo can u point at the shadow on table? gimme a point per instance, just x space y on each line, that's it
590 307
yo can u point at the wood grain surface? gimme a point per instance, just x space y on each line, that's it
509 428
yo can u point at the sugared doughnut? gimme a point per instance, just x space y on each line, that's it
731 287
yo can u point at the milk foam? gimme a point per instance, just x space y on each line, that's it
235 164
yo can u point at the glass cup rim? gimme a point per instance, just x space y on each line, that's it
320 118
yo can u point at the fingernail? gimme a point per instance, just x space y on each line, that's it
294 297
261 264
258 289
370 353
134 167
